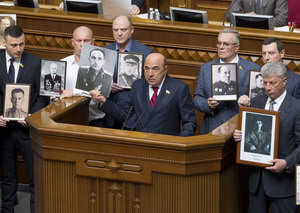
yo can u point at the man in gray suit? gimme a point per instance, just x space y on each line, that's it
218 112
277 8
275 185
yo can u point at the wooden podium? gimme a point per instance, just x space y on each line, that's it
88 169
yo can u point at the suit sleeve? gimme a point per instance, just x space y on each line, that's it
235 7
200 99
281 13
187 113
138 3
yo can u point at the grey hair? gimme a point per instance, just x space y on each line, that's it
275 68
237 37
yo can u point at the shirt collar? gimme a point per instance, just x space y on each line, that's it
8 57
278 100
235 60
127 48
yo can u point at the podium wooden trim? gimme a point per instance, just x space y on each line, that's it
80 168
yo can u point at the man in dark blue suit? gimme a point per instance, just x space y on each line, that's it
273 51
160 103
17 66
122 32
218 112
275 185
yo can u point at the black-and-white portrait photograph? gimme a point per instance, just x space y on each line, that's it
16 101
224 81
256 84
6 20
96 69
130 66
53 75
297 173
260 135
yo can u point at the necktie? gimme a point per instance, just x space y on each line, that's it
271 106
257 6
154 96
11 71
93 75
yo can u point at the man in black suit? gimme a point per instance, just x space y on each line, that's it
275 185
17 66
159 102
52 81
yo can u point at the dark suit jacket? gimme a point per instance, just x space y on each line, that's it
277 8
293 84
172 107
282 184
226 109
138 3
48 78
29 73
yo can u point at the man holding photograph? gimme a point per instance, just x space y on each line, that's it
275 185
17 99
17 66
218 112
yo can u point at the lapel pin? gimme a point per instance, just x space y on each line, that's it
168 92
241 68
21 65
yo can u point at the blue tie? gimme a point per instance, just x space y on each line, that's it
11 71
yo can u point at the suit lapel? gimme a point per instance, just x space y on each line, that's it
242 74
3 70
285 107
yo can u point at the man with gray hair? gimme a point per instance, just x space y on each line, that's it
218 112
275 185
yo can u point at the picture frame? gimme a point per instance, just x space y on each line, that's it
224 81
52 77
256 84
130 68
16 101
260 132
297 184
96 69
6 19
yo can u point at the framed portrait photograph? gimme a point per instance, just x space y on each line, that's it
96 69
16 101
53 77
224 81
297 180
6 19
260 130
130 67
256 84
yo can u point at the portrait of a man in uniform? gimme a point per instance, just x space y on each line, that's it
16 102
224 81
256 85
6 20
129 68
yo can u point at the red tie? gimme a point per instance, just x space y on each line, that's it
154 96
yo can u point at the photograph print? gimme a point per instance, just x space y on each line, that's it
6 19
224 81
16 101
259 136
52 78
130 66
96 69
297 173
256 84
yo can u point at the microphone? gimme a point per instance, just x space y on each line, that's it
127 117
138 119
230 6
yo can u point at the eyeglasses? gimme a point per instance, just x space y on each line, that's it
225 44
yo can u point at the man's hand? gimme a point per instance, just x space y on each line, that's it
23 122
237 135
97 96
244 100
213 103
53 99
67 93
279 165
135 10
3 121
61 6
116 88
